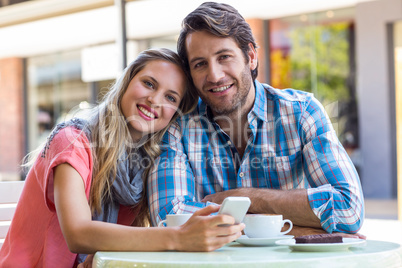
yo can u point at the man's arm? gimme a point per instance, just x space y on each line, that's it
171 184
335 196
334 200
292 204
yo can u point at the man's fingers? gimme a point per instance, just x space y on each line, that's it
360 236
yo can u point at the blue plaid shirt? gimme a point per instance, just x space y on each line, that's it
293 145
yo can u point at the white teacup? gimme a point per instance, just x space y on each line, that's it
174 220
265 225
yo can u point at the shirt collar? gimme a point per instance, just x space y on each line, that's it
260 102
203 109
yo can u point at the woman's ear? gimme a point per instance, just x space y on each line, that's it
252 54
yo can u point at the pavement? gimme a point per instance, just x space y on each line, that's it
381 221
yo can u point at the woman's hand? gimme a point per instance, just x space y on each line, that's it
87 263
203 232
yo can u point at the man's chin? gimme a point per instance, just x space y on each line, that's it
222 109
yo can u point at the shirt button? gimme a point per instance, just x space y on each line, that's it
229 143
241 174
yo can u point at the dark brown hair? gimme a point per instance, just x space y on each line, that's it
221 20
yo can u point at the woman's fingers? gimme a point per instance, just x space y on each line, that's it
203 232
217 220
87 263
207 210
213 220
229 230
221 225
220 241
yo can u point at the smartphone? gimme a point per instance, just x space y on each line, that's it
235 206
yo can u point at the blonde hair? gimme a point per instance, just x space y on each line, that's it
110 134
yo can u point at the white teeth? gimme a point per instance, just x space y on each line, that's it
220 89
146 112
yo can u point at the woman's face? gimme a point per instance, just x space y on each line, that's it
152 97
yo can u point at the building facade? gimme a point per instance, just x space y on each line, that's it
57 55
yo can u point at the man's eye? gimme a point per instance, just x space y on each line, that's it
199 64
223 57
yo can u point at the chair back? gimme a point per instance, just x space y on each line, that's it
10 192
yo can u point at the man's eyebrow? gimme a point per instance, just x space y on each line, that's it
196 59
224 50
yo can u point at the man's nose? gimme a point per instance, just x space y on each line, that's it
215 73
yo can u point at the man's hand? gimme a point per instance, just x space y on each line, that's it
292 204
300 230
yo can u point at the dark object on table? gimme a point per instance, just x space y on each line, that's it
319 238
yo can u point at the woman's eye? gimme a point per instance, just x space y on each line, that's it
149 84
171 98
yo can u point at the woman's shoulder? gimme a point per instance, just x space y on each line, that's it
67 138
70 134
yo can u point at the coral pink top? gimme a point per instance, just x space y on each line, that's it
35 238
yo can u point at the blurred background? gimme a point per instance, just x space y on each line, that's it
56 55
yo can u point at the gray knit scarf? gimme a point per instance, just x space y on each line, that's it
127 187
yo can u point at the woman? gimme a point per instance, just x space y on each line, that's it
89 176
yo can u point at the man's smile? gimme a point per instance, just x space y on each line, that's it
220 89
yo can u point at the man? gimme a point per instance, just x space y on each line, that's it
245 138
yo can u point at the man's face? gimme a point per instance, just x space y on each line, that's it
220 72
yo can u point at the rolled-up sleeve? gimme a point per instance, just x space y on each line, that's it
171 184
335 195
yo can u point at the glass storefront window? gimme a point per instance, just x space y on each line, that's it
398 104
4 3
169 42
315 53
54 89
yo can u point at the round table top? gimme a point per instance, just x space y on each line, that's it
371 254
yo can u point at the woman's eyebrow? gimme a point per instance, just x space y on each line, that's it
174 92
153 79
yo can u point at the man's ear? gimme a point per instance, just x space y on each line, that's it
252 54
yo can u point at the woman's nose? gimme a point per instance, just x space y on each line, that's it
154 99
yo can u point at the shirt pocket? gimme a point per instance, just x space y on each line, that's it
280 171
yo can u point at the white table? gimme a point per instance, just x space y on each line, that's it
374 254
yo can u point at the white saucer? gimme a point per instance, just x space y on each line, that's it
245 240
347 243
